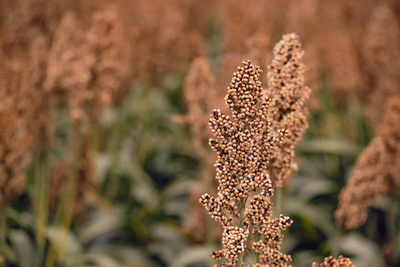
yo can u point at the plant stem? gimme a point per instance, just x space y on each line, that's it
65 210
41 195
241 224
336 245
392 225
3 226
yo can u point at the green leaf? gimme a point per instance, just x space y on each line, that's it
330 146
103 222
192 256
62 238
23 246
364 252
311 212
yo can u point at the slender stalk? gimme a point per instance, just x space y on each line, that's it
116 133
336 245
241 225
392 225
65 210
41 196
3 226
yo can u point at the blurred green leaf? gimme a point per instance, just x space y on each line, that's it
329 146
23 246
102 223
313 213
193 256
363 252
308 188
130 255
59 238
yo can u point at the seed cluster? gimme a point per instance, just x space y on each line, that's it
200 96
269 247
87 65
332 262
286 88
233 240
376 171
367 181
244 141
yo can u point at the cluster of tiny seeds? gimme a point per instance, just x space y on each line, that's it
216 207
366 182
200 94
269 247
271 255
376 171
244 142
289 111
332 262
259 210
233 240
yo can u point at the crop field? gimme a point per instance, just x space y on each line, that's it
197 133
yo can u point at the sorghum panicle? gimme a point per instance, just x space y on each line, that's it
332 262
376 171
366 182
243 141
289 111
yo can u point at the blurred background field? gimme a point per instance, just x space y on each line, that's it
103 147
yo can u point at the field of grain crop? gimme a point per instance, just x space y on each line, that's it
196 133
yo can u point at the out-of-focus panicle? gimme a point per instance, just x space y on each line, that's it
70 61
24 20
108 41
332 262
88 67
390 134
342 65
15 155
243 141
200 97
15 138
367 181
376 171
288 111
163 35
381 57
381 49
306 24
80 168
240 21
339 54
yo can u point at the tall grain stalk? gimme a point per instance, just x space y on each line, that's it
64 213
255 143
41 199
243 142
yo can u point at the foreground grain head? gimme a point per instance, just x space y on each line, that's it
243 141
